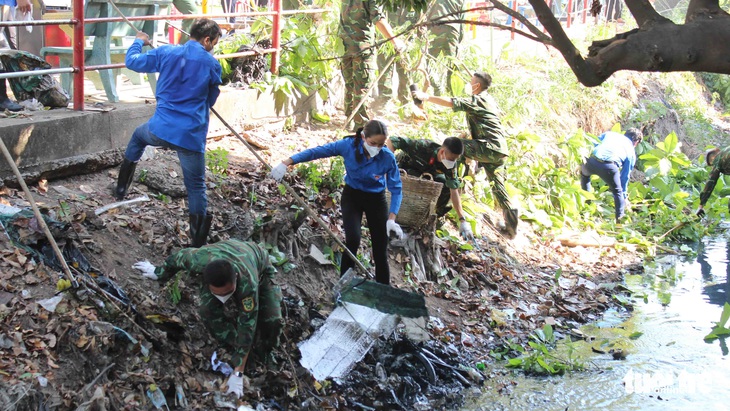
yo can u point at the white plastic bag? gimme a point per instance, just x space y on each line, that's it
20 16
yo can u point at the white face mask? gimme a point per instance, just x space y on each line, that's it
448 163
373 151
224 298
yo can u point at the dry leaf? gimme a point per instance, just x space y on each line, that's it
43 186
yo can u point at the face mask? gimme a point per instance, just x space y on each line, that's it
373 151
448 163
224 298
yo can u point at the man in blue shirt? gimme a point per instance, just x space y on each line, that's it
612 160
186 90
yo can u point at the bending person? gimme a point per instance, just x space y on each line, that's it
370 168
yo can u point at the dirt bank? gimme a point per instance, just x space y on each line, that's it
93 352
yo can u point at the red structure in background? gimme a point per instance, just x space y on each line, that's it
54 36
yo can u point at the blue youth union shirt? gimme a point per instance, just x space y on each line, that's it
186 89
369 175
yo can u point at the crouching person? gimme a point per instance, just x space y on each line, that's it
238 297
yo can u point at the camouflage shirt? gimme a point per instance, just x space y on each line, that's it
721 165
232 323
446 8
482 116
421 157
357 23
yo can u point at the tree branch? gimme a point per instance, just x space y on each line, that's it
645 14
703 8
582 69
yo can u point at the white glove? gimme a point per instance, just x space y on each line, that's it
420 95
391 225
236 384
278 172
465 231
147 269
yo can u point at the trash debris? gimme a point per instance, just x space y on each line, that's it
318 256
157 397
102 210
344 339
220 366
50 304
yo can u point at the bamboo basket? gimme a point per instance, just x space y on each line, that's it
419 199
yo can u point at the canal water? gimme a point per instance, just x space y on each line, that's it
669 365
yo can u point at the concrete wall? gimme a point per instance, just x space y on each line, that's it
65 142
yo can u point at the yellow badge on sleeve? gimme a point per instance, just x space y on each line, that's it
248 304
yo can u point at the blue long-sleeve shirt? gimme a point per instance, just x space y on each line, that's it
617 148
370 174
186 89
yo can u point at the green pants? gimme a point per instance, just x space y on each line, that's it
385 84
270 321
186 7
445 43
358 72
493 163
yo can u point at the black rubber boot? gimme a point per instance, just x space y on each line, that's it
5 102
126 175
199 228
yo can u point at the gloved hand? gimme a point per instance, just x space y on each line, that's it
236 383
701 212
147 269
465 231
391 225
278 172
420 95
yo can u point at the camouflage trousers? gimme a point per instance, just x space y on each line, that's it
493 163
358 71
385 84
446 43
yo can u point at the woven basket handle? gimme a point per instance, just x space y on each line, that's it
427 176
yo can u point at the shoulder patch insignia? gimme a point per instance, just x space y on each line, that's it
248 304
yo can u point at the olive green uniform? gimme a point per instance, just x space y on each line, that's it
385 84
720 165
186 7
357 30
446 38
256 303
421 156
488 146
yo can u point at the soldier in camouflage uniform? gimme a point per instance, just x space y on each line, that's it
487 145
720 162
418 157
446 38
357 18
239 271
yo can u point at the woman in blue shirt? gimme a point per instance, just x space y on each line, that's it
370 168
186 90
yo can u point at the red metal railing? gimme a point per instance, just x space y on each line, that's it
78 42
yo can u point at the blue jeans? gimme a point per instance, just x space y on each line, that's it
611 174
191 162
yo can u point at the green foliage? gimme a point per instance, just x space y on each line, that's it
719 85
217 162
541 359
316 177
230 45
719 329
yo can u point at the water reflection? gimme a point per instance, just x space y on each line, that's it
670 367
718 292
